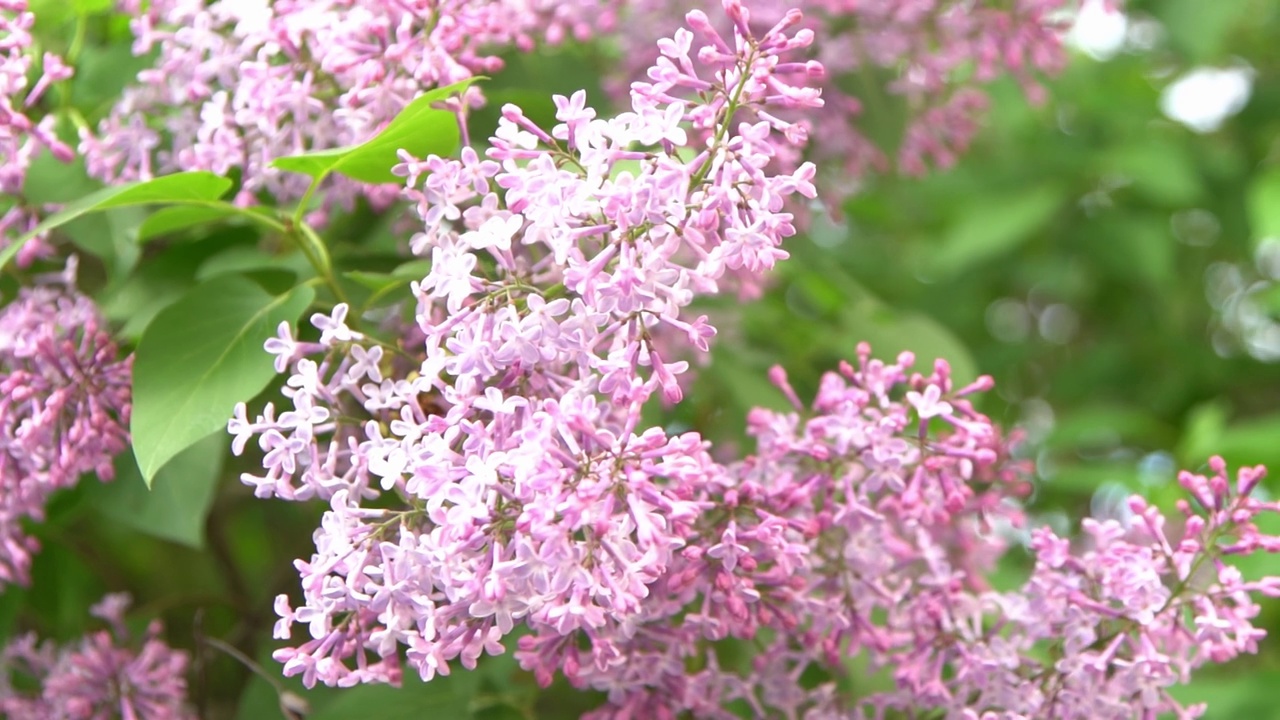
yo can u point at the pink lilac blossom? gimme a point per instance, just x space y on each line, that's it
1102 632
508 431
932 56
489 470
64 407
239 83
25 131
104 676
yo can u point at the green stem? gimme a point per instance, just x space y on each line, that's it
300 212
306 239
730 110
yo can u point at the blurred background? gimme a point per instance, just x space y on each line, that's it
1111 257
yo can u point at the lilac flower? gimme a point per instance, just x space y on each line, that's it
64 408
929 404
236 85
938 53
521 488
495 472
24 135
103 676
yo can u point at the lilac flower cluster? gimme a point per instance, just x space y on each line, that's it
502 429
64 407
24 131
104 676
237 84
488 469
823 545
901 532
933 54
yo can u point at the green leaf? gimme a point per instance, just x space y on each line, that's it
183 188
110 236
384 284
443 697
994 224
1160 168
419 129
63 584
102 72
1135 247
181 217
1252 442
1202 435
1263 204
49 180
1203 31
1234 691
176 505
160 281
891 331
248 259
89 7
1108 424
198 358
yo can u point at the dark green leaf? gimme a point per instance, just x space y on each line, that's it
175 506
245 259
163 278
413 701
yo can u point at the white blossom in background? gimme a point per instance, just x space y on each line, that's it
1205 97
1099 31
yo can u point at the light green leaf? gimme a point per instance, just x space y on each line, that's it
419 129
1202 435
1252 442
1263 204
183 188
89 7
995 224
1232 692
198 358
891 331
1160 168
176 505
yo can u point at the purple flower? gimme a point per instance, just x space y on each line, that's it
104 675
64 408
